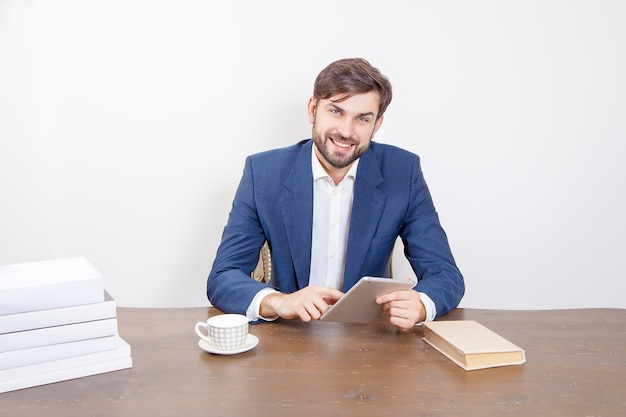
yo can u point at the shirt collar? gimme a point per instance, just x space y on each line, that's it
320 172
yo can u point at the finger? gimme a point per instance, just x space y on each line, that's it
330 295
312 307
316 309
323 305
406 316
300 308
389 297
401 324
304 315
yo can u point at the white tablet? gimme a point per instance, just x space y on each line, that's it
358 305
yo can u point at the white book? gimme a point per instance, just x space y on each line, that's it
65 369
48 353
45 285
57 334
58 316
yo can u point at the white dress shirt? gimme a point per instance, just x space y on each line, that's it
332 206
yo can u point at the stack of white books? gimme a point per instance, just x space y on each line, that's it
56 323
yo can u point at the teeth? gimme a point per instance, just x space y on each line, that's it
341 145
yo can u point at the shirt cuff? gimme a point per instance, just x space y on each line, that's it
253 309
429 306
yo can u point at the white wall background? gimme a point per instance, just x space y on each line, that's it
124 126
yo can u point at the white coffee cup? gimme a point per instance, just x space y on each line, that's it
226 332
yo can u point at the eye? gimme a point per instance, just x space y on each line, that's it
363 119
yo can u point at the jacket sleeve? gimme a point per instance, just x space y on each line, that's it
427 250
229 286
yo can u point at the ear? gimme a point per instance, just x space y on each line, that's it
312 107
377 125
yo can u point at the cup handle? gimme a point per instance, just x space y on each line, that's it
199 332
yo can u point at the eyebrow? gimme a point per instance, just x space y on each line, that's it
335 106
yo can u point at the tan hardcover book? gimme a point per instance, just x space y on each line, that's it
471 345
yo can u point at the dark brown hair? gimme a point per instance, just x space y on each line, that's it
351 76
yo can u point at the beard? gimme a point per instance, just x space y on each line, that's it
334 158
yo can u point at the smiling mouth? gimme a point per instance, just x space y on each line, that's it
341 145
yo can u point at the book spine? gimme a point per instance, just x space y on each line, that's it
57 334
65 369
45 297
41 354
59 316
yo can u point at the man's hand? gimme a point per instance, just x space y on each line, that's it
308 303
405 308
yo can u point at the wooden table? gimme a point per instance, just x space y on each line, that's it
576 366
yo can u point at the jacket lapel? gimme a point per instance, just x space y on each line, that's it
296 205
367 208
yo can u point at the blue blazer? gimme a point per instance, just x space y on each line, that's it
274 202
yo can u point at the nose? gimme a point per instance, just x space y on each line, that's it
346 127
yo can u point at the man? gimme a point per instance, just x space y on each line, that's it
331 209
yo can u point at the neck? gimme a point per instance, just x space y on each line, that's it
336 174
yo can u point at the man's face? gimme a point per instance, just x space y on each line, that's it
342 131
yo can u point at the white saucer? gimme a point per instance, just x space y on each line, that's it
250 343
